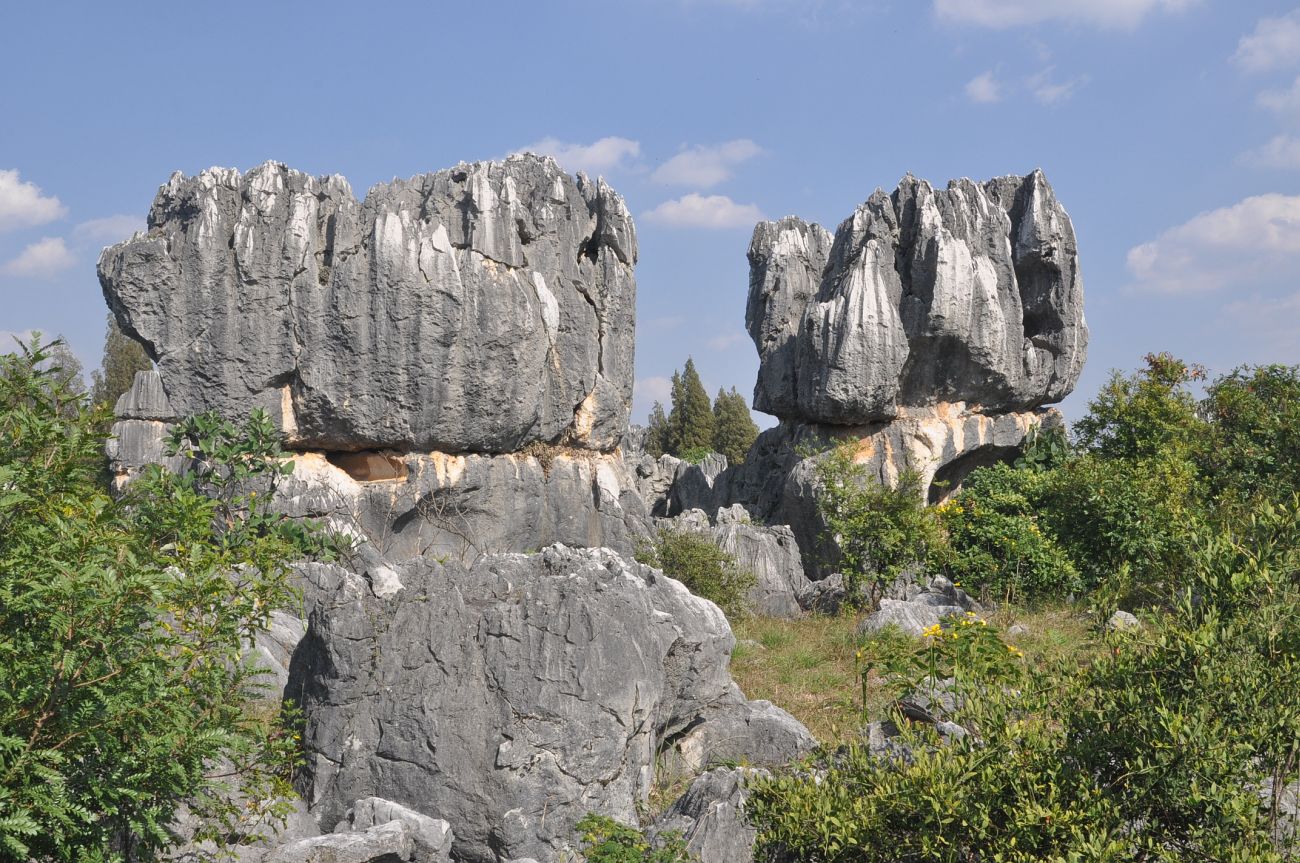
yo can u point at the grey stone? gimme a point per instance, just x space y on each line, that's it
966 295
391 842
404 320
756 734
770 553
458 507
710 816
431 837
1123 621
513 696
927 608
145 399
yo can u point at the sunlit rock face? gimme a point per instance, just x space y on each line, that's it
476 309
970 295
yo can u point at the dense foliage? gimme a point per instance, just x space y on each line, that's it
877 530
1174 745
696 427
695 561
123 624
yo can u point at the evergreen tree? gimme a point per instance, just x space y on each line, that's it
656 431
123 357
734 430
690 422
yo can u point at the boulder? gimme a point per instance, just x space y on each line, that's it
512 696
391 842
710 816
399 321
921 611
431 838
922 297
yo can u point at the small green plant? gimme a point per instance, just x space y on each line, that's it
695 454
697 562
877 530
606 841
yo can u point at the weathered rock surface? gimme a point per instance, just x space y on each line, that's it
510 697
768 551
710 816
922 610
391 842
970 294
431 838
476 309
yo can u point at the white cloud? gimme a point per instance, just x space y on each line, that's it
22 205
726 340
984 89
40 260
647 391
108 230
1282 151
607 154
1272 324
1274 44
705 166
1049 92
1239 245
1107 14
10 340
1284 103
704 211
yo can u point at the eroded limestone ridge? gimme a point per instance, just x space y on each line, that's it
476 309
971 294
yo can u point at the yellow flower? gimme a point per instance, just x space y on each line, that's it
933 631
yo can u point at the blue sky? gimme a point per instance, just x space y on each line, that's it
1169 128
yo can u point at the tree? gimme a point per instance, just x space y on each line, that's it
734 430
123 626
690 422
656 431
123 357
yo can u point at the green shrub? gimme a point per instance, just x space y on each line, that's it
999 547
877 531
606 841
1254 450
697 562
122 627
1155 751
695 454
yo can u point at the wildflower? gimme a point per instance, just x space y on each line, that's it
933 631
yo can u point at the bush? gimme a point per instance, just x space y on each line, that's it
1255 447
999 547
698 563
122 629
1155 751
606 841
878 531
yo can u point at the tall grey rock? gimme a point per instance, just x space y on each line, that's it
476 309
970 294
516 695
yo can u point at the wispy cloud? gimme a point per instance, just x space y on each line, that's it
647 391
1275 44
1239 245
1284 103
1105 14
704 211
1273 323
24 205
1048 91
1281 151
706 166
108 230
602 156
41 260
725 341
984 89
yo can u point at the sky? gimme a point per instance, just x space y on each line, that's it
1170 130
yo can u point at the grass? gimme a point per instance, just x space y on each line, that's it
809 666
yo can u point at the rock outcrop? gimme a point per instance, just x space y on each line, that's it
966 295
477 309
514 696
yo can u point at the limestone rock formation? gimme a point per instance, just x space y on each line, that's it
476 309
970 295
513 696
710 816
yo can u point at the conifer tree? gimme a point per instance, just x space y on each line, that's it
656 431
691 421
734 429
123 357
